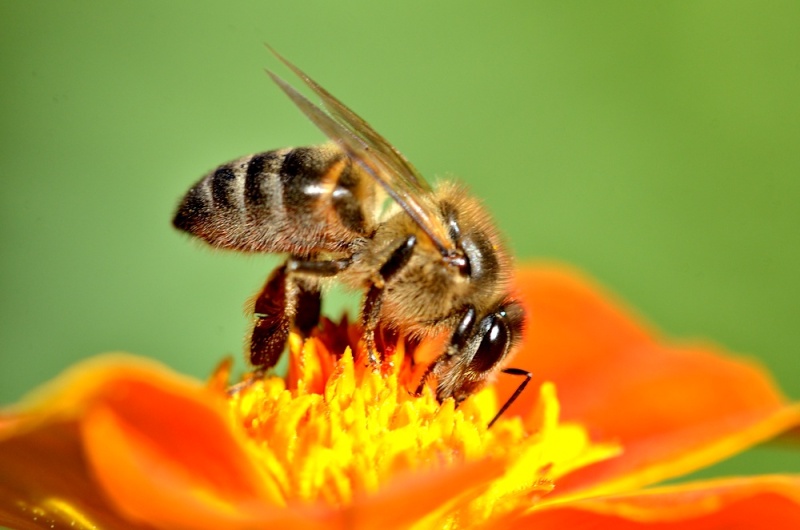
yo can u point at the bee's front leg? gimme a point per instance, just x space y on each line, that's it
370 315
458 341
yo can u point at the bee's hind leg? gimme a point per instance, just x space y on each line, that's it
271 327
272 310
308 306
307 296
287 300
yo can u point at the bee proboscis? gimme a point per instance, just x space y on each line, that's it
432 263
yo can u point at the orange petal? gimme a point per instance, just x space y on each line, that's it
673 408
412 498
45 482
758 502
128 442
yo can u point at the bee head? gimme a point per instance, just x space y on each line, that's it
486 345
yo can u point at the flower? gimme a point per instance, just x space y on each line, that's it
121 442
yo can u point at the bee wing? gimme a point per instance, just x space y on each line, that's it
374 154
407 175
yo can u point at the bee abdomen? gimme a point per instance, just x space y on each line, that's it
301 200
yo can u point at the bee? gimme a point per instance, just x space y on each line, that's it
432 262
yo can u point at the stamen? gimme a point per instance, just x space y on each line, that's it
335 428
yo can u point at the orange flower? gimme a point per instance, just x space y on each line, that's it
120 442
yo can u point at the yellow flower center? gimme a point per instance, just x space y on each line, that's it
334 429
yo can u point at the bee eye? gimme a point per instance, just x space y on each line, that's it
493 346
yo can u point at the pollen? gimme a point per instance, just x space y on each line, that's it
335 429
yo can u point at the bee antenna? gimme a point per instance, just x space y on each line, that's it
512 371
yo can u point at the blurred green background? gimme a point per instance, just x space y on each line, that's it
656 145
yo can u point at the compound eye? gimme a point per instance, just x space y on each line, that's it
493 346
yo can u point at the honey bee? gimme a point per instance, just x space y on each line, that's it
432 262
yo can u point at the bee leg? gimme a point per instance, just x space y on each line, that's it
372 303
271 329
308 304
458 341
320 269
425 376
284 301
512 371
308 300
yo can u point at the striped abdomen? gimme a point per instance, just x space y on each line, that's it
302 201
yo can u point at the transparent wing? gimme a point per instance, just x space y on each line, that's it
372 152
407 175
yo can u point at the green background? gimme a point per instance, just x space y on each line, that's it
653 144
